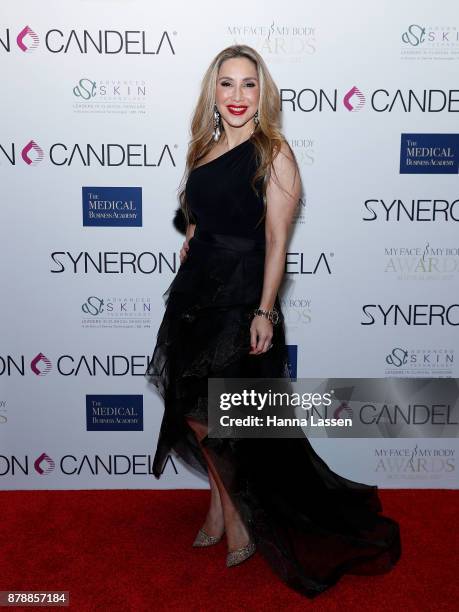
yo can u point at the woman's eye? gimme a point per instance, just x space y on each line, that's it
225 83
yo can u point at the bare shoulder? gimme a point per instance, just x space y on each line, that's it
216 150
284 158
285 170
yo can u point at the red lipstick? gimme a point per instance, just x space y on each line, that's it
236 110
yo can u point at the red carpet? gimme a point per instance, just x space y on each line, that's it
131 550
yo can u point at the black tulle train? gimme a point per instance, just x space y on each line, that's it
311 524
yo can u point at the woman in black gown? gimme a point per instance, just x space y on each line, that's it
276 496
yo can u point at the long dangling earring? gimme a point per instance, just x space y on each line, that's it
216 133
256 121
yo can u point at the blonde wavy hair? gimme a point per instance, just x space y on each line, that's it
267 136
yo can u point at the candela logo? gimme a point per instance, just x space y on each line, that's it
343 407
32 146
354 100
27 40
44 464
40 365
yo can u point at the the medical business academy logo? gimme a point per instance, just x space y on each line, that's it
112 206
114 412
429 154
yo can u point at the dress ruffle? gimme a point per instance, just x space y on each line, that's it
205 331
311 524
209 307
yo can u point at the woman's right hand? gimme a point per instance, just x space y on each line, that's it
184 251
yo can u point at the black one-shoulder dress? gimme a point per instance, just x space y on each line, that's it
311 524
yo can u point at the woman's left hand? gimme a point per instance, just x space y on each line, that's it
261 333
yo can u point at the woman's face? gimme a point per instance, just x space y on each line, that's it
238 91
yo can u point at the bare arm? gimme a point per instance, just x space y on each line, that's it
190 230
281 207
189 234
282 196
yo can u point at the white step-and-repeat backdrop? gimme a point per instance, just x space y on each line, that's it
97 99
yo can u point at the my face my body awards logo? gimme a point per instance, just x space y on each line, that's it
427 263
304 151
426 362
115 312
416 463
280 42
297 310
74 365
110 96
92 42
72 465
429 42
3 412
380 100
89 154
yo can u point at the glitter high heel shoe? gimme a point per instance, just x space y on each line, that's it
204 539
236 557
